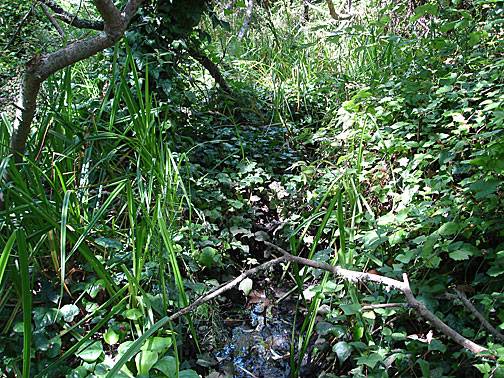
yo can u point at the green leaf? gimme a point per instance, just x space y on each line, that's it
26 299
144 361
4 258
484 188
350 309
246 286
208 257
370 360
168 366
91 351
460 254
424 367
495 270
372 239
109 243
133 314
343 350
157 344
111 337
449 228
69 312
189 373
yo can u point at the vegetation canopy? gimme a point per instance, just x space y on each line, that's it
251 188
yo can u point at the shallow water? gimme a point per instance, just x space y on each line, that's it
259 347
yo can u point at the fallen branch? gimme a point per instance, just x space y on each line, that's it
473 310
389 283
225 287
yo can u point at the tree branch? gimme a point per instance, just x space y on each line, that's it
211 67
71 19
48 14
389 283
41 67
473 310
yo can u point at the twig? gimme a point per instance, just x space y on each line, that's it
375 306
19 27
72 19
389 283
58 28
225 287
485 323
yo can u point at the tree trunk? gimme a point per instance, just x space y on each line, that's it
41 67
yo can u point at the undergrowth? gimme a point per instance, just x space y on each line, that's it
374 144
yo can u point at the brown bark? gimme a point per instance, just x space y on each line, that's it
389 283
335 15
71 19
41 67
211 67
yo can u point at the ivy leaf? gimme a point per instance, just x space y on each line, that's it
90 352
246 286
460 254
350 309
69 312
343 350
370 360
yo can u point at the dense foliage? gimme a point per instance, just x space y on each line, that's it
373 143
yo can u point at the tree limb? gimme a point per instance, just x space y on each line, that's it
389 283
72 19
41 67
48 14
473 310
211 67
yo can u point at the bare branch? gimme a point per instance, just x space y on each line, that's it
389 283
71 19
225 287
473 310
48 14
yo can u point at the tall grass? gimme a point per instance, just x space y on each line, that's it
113 176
